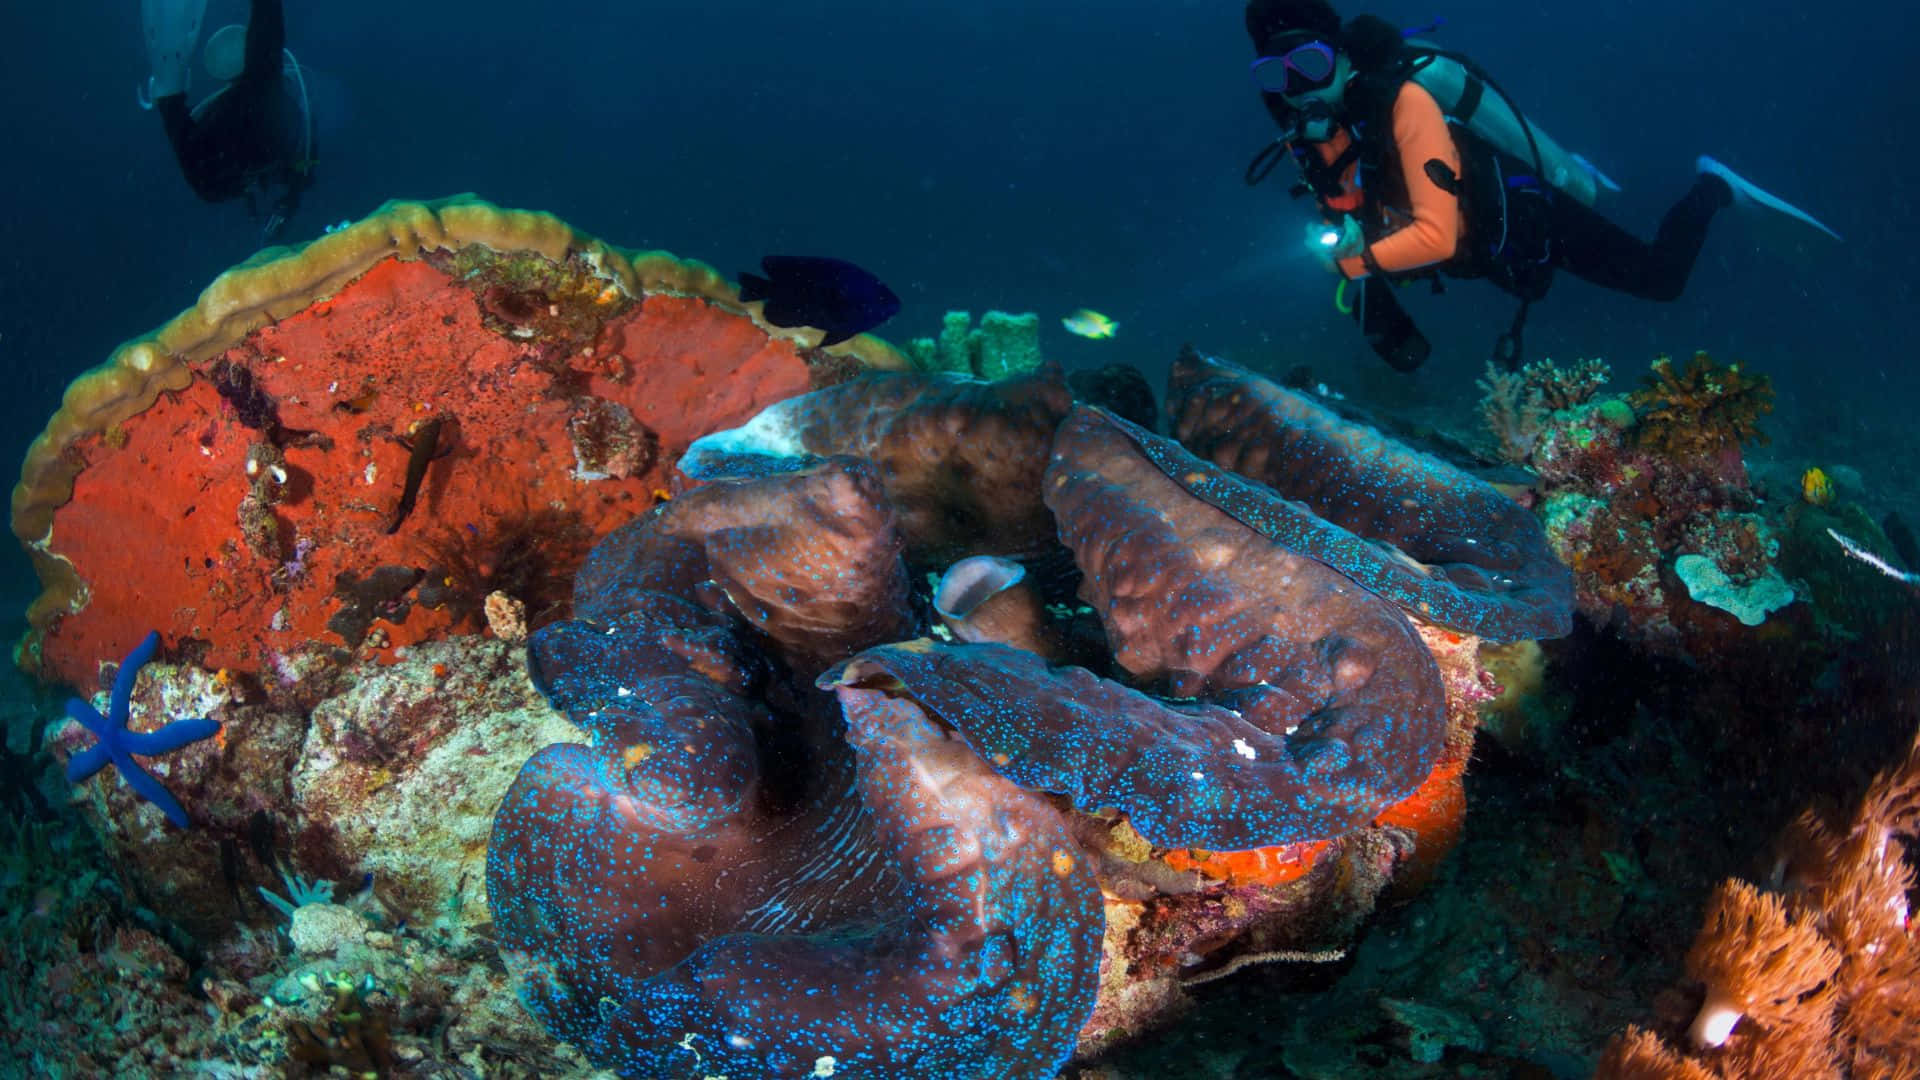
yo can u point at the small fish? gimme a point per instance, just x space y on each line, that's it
1090 324
1815 487
832 295
423 448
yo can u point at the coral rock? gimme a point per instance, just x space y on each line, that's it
262 437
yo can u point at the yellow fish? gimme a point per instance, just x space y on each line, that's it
1090 324
1815 487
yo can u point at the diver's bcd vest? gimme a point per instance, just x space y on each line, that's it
1498 188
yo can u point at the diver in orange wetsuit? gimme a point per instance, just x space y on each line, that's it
1408 189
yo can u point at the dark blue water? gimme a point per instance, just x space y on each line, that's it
1027 157
1023 156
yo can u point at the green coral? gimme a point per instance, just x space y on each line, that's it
1003 346
1702 409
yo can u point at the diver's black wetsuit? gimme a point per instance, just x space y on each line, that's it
1582 242
239 140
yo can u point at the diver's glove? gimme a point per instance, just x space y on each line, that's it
1331 243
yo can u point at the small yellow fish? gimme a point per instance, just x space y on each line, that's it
1090 324
1815 487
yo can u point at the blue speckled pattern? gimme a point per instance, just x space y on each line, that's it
1346 704
960 458
739 875
1186 775
1401 523
742 875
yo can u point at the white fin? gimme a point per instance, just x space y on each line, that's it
1745 191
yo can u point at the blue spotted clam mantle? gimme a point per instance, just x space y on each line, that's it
740 874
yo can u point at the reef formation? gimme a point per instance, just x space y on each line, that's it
783 823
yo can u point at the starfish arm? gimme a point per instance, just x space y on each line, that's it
172 737
81 712
129 671
87 762
150 789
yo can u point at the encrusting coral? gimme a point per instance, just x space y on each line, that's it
1818 979
279 429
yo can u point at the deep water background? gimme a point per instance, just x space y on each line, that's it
1025 156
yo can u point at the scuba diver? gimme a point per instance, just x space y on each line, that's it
1422 166
253 137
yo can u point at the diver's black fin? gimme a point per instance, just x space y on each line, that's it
754 287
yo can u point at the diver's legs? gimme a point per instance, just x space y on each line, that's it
1595 249
266 36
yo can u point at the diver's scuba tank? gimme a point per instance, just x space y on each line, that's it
1461 91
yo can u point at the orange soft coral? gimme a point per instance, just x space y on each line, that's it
1828 973
1701 410
1755 961
1640 1055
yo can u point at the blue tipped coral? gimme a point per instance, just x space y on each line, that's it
118 745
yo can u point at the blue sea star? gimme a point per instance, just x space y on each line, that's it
118 745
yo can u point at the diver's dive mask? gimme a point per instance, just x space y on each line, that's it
1306 66
1309 78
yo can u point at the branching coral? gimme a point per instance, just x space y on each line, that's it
1516 404
1640 1055
1822 979
1702 410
